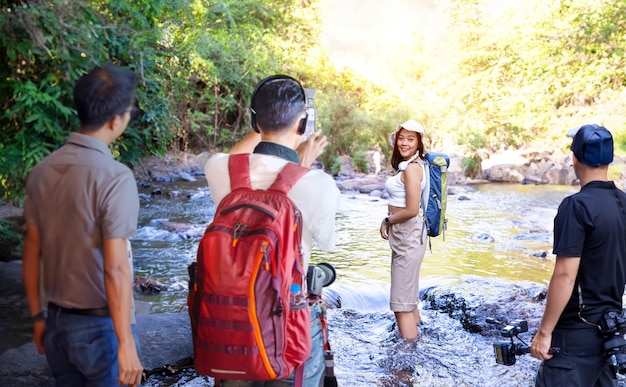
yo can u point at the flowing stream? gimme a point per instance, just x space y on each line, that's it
497 247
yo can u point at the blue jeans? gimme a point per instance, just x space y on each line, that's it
82 350
313 367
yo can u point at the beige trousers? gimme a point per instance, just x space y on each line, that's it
408 246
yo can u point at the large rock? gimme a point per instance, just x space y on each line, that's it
24 366
346 166
506 173
362 183
172 167
165 338
535 167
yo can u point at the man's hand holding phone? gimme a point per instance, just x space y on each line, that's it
310 149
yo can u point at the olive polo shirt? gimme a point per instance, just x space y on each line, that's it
77 197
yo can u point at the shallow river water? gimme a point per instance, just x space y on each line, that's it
498 243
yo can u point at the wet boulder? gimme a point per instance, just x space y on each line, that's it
144 285
475 299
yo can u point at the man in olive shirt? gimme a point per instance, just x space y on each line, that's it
81 208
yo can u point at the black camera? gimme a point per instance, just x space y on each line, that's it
505 351
613 325
319 276
516 327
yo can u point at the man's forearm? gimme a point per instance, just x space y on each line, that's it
30 270
247 144
559 292
117 282
118 297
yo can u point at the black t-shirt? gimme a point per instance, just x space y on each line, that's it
591 224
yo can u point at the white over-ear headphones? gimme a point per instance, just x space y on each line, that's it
403 164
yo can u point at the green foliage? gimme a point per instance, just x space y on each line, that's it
334 165
49 45
360 162
471 166
473 141
11 240
508 74
519 72
345 116
198 63
619 137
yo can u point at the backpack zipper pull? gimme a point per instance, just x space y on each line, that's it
437 200
238 230
263 253
297 227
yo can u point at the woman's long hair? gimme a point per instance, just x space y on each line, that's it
396 158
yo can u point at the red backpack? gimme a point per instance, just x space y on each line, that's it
249 257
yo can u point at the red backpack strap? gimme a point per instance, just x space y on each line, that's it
239 171
288 177
298 377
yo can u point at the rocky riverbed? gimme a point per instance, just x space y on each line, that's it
165 337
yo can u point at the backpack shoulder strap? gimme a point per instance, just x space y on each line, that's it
288 177
298 377
426 191
424 196
239 171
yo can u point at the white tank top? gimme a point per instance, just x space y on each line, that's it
397 191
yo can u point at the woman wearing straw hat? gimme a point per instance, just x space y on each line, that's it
404 227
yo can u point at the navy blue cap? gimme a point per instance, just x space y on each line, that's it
592 145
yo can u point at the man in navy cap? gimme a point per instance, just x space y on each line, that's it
589 274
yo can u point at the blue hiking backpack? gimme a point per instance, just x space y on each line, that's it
434 196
